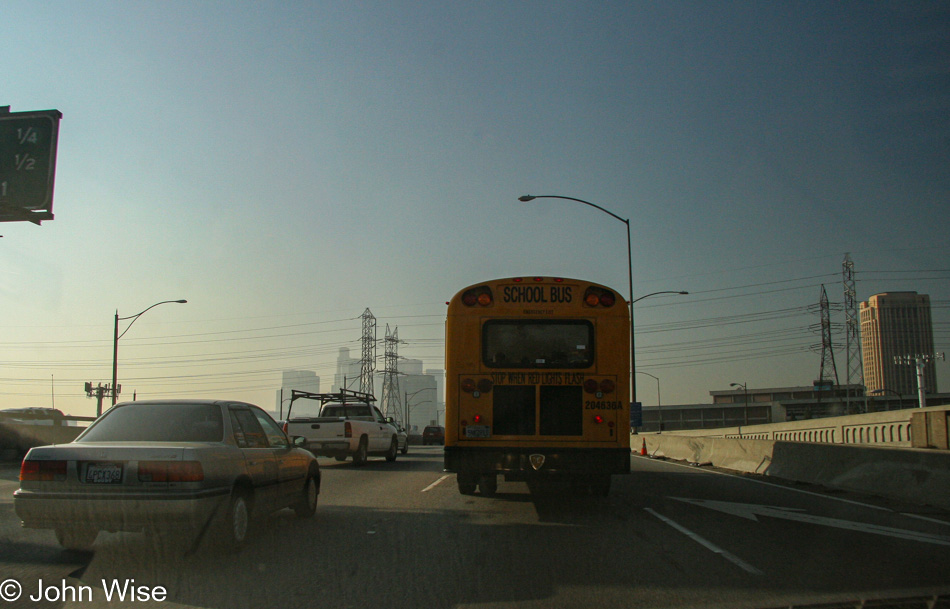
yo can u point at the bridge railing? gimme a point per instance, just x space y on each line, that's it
909 428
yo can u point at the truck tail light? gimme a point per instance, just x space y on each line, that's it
347 430
42 471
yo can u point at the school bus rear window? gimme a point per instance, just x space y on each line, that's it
509 343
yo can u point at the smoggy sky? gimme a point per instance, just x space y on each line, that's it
285 165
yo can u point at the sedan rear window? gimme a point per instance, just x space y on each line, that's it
158 423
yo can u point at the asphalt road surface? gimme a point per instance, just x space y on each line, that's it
400 535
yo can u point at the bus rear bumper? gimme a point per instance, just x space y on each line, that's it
518 464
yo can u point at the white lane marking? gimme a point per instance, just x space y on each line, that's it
751 511
434 484
708 544
919 517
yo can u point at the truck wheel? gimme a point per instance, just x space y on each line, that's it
77 539
306 506
393 450
361 452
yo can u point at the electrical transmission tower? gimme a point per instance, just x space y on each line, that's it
368 361
828 373
392 406
855 369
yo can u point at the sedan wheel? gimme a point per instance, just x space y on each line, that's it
393 450
238 522
307 505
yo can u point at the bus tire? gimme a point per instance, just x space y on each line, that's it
488 485
467 484
601 486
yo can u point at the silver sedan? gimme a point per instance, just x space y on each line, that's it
196 465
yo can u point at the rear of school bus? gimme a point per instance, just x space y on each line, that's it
537 384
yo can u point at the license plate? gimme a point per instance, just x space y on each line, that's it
104 473
477 431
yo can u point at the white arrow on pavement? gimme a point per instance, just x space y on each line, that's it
752 512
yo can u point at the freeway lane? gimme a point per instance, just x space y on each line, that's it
400 535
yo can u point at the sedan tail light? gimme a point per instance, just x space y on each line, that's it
170 471
42 471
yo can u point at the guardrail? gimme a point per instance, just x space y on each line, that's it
909 428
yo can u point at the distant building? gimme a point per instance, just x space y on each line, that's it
301 380
896 325
349 371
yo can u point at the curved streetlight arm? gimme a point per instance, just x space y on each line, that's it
115 344
526 198
663 292
137 315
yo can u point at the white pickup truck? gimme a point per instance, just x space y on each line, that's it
348 426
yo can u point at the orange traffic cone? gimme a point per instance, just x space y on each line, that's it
643 450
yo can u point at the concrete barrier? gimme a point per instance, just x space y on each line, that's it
914 475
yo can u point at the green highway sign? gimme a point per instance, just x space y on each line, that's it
27 164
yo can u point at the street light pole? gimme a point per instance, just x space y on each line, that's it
659 406
115 343
633 367
409 395
745 410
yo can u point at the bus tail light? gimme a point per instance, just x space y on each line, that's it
485 385
468 385
595 297
590 386
607 386
598 419
481 296
477 419
42 471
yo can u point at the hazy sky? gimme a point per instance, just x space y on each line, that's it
285 165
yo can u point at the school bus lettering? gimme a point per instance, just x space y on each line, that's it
562 294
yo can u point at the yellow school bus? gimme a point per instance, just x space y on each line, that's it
537 383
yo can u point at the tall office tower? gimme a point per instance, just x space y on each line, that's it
897 325
301 380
